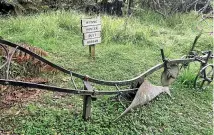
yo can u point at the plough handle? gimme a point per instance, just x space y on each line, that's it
162 55
194 43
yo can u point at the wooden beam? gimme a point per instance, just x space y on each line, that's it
87 101
92 51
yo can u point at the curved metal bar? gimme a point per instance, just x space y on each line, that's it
6 57
73 81
206 67
9 61
102 82
126 82
181 61
203 70
40 58
58 89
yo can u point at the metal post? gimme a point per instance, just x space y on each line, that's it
208 56
194 43
162 55
164 60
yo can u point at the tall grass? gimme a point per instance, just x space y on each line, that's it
187 76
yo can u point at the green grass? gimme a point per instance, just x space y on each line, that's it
129 47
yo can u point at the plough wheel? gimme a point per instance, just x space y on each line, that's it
204 77
169 75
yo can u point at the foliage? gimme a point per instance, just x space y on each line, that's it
17 7
170 7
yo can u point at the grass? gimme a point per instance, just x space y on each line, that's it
129 47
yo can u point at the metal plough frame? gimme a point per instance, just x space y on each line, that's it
88 91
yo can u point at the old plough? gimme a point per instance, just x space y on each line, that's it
171 70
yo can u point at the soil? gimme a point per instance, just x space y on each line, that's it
10 96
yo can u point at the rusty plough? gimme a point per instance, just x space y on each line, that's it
170 73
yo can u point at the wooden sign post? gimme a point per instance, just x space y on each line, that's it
91 29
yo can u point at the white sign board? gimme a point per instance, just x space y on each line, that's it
89 29
92 35
92 41
89 22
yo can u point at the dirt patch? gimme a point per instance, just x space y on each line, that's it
17 95
10 96
2 132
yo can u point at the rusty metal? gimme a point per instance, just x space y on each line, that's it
170 72
204 75
65 90
75 86
169 75
103 82
9 61
7 56
89 92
